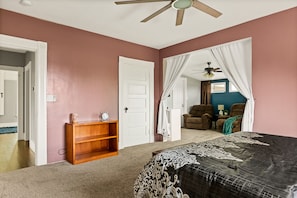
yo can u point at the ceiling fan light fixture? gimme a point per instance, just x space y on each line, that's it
208 75
182 4
25 2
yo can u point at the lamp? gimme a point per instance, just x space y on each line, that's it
182 4
220 108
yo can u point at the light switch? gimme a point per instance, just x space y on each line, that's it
51 98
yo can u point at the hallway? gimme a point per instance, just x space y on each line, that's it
14 154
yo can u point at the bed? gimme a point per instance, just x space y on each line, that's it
239 165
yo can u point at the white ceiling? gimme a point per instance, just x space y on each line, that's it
123 21
197 63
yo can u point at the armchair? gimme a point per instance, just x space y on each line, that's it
237 109
199 117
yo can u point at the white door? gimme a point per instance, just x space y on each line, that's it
1 92
20 112
179 97
136 96
28 106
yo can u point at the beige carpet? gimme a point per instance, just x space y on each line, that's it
111 177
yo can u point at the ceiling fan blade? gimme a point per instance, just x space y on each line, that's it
138 1
157 13
180 16
217 69
205 8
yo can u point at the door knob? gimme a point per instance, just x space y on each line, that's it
126 109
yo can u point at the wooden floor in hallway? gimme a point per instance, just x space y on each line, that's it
14 154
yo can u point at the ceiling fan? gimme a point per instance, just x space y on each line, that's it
209 70
179 5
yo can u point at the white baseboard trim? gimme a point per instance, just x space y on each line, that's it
11 124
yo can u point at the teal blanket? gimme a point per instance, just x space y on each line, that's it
228 125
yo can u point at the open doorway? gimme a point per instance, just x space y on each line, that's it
39 124
9 95
237 70
15 108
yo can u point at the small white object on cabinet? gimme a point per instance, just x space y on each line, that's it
104 116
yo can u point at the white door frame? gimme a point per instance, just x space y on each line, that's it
121 105
40 126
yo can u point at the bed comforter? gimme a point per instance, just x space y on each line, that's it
240 165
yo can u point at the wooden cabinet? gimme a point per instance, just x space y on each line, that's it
86 141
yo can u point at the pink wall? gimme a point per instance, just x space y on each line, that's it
82 71
274 45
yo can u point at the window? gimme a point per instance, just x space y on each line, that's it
218 87
232 88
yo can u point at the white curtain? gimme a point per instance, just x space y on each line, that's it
174 68
235 61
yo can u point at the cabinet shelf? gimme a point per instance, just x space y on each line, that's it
93 138
88 141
